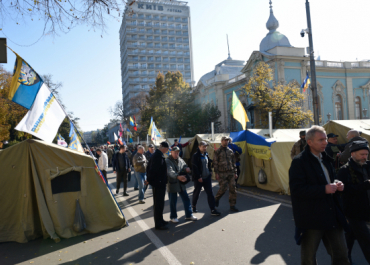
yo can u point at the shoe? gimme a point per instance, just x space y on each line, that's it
174 220
234 209
217 203
192 218
116 191
136 188
141 202
163 227
215 212
126 194
194 209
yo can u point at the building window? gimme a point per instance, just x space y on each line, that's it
338 107
358 107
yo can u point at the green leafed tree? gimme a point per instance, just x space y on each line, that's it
172 105
283 100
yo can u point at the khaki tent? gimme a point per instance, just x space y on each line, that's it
276 167
40 184
342 127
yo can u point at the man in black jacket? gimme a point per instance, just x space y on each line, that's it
202 177
356 197
157 178
315 201
121 166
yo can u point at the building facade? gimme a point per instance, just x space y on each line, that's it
155 36
343 87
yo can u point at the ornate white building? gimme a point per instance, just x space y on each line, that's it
343 87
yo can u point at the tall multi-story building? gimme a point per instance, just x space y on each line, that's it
155 36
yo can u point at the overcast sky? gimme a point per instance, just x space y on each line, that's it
89 65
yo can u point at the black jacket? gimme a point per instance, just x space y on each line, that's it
346 154
115 162
355 197
157 170
197 165
312 207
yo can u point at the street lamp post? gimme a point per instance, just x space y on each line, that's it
312 65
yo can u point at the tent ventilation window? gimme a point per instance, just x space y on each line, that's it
69 182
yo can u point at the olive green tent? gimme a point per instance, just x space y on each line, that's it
40 184
341 128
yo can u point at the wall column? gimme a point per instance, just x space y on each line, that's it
350 101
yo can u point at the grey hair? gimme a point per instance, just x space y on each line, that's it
354 133
313 130
140 147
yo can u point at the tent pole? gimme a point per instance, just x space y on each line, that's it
213 130
270 124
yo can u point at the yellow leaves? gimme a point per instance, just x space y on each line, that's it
29 9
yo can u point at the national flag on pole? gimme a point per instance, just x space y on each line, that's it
131 141
155 133
25 84
135 125
115 137
238 111
120 141
75 142
61 141
120 130
150 127
132 122
44 117
306 83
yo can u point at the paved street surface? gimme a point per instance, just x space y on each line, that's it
261 233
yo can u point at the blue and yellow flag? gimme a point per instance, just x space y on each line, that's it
306 83
132 122
25 84
75 143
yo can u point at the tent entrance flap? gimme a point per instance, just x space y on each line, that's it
69 182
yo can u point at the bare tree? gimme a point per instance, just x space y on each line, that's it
138 102
63 15
117 111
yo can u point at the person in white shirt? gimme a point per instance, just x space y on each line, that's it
102 162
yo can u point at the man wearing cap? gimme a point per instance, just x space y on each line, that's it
150 152
226 173
333 149
157 178
202 177
355 175
299 146
176 172
352 135
176 143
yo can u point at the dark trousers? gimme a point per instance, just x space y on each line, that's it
122 177
334 243
238 173
207 184
158 205
104 175
360 232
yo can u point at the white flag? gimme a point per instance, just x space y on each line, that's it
115 137
44 117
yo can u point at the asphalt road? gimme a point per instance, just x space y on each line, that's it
261 233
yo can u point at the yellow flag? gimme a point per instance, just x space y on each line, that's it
150 127
238 111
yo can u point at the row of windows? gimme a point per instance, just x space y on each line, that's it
158 59
157 38
156 25
152 66
158 17
158 31
158 45
152 73
159 52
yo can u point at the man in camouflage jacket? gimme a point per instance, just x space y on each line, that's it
226 172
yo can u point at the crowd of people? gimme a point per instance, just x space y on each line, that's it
330 193
329 184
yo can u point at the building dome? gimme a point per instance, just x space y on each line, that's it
273 38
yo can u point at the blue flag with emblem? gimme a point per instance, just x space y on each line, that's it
25 84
